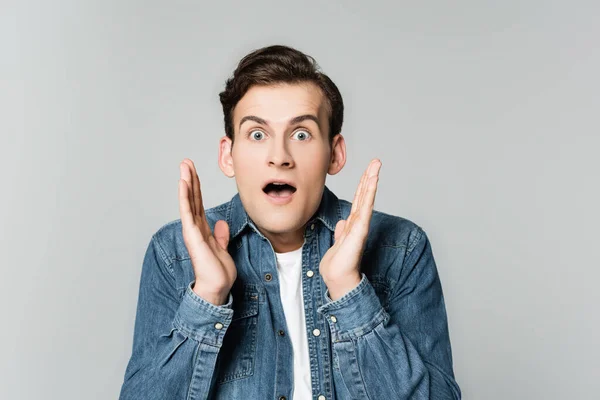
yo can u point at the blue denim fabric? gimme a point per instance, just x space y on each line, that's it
385 339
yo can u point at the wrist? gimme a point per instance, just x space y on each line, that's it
215 297
340 286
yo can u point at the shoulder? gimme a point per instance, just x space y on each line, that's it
387 230
392 243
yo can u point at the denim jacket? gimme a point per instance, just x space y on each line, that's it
385 339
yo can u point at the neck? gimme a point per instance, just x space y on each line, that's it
287 241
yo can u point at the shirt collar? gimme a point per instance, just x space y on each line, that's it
328 213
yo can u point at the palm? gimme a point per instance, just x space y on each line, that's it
213 265
343 258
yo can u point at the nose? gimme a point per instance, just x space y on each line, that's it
279 155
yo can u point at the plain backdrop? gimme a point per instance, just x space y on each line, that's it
484 114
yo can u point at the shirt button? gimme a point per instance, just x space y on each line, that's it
316 332
219 325
333 318
268 277
321 397
312 227
281 333
282 398
309 273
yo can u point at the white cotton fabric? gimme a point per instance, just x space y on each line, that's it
289 268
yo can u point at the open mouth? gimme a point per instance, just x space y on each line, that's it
279 189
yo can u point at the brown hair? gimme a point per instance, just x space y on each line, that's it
274 65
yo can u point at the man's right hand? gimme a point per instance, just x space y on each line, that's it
214 268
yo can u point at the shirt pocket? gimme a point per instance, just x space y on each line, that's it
238 353
382 289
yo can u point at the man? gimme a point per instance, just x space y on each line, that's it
286 291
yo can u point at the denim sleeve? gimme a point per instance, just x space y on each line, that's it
176 338
399 353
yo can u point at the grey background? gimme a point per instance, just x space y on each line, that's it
484 114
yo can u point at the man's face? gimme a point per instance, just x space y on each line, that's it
281 135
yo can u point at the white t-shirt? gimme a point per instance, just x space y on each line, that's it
289 268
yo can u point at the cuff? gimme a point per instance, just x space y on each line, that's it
201 320
354 314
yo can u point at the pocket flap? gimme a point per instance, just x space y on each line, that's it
245 304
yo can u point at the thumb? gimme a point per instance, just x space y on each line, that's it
339 228
222 233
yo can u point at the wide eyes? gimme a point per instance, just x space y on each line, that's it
256 135
301 135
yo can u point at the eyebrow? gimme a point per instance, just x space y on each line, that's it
293 121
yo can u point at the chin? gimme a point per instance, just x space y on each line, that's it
276 225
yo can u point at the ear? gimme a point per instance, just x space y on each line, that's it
338 154
225 157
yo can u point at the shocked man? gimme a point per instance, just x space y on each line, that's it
287 292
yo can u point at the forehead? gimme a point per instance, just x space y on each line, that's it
279 103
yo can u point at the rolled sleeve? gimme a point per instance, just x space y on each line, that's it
355 313
201 320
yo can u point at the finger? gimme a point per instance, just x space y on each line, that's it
339 228
186 175
222 233
371 191
376 167
198 206
364 185
372 170
358 193
192 181
361 188
185 211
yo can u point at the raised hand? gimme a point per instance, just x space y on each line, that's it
340 266
214 268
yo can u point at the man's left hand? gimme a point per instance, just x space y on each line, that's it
340 266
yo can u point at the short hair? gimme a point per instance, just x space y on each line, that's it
274 65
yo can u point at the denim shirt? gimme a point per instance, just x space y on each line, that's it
387 338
